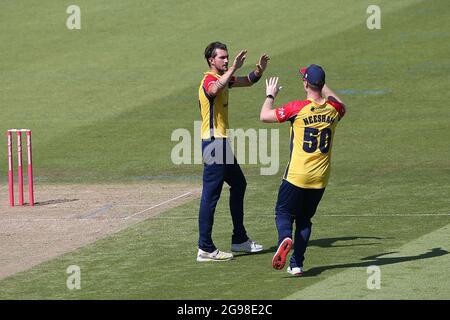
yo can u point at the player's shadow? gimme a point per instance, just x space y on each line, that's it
55 201
330 242
242 254
376 260
322 243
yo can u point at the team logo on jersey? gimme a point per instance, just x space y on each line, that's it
313 108
281 113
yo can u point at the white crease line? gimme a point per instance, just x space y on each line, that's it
160 204
78 218
75 218
45 219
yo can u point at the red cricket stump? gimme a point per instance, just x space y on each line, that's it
10 170
19 166
30 169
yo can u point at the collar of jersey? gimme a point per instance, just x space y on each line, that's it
213 74
316 103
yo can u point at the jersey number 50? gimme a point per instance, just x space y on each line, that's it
312 135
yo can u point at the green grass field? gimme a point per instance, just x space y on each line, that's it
103 101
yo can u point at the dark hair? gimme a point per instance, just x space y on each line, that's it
210 51
314 87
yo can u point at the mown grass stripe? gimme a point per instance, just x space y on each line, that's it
412 271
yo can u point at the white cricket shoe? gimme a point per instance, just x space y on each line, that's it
247 246
296 271
217 255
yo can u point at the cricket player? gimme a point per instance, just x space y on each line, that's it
220 165
313 124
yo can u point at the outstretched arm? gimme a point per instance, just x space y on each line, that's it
267 113
253 76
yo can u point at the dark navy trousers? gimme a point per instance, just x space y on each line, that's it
297 205
220 166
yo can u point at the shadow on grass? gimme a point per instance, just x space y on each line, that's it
377 260
242 254
329 242
322 243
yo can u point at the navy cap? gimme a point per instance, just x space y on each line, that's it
314 75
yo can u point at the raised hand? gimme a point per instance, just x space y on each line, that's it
272 86
239 60
262 63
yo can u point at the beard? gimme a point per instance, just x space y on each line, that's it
223 69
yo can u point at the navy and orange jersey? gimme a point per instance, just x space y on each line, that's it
214 110
311 139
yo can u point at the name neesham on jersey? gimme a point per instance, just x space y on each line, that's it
318 118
